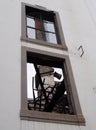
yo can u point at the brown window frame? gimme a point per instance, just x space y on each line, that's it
59 32
26 114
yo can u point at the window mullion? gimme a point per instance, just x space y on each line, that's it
43 29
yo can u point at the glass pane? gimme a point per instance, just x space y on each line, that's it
35 23
34 34
50 37
49 26
39 35
38 24
31 33
30 22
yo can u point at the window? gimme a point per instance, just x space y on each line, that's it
42 26
48 92
50 95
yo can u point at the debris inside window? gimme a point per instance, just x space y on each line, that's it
46 89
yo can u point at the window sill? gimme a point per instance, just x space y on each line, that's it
58 46
52 117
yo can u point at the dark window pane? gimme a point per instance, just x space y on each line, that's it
38 24
39 35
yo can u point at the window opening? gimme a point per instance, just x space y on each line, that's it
46 90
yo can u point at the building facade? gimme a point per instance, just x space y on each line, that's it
47 68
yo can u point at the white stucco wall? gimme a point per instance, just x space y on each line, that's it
79 26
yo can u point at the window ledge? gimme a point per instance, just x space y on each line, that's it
58 46
52 117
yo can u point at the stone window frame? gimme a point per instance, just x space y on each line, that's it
25 114
60 45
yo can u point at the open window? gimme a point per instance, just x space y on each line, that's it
41 26
48 90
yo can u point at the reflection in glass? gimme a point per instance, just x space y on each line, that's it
35 30
41 31
50 37
49 26
31 33
30 22
34 23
